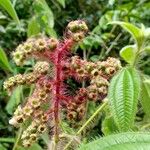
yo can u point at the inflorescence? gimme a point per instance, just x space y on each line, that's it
49 81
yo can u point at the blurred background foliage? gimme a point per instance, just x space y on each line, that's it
49 17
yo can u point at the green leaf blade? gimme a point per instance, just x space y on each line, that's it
123 97
62 2
136 32
44 13
128 53
4 64
14 100
6 4
109 126
121 141
145 95
35 146
33 28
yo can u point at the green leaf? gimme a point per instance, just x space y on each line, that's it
145 94
62 2
136 32
111 2
45 137
35 146
147 49
121 141
6 4
128 53
14 100
147 33
7 140
123 96
33 27
2 147
51 32
44 13
109 126
94 58
4 64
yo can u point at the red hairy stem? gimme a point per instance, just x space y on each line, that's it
60 53
56 104
49 112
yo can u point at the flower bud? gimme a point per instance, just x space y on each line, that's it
41 67
44 118
28 48
27 110
31 77
102 90
26 143
72 106
78 36
77 26
72 115
95 72
40 44
35 102
19 79
43 95
48 87
20 119
80 72
9 84
93 96
77 30
99 81
52 43
33 137
42 128
18 57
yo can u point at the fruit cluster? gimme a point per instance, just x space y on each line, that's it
53 67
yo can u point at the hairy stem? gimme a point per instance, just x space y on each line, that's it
18 138
83 85
145 126
59 85
56 104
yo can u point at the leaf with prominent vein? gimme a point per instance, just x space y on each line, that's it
123 97
121 141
